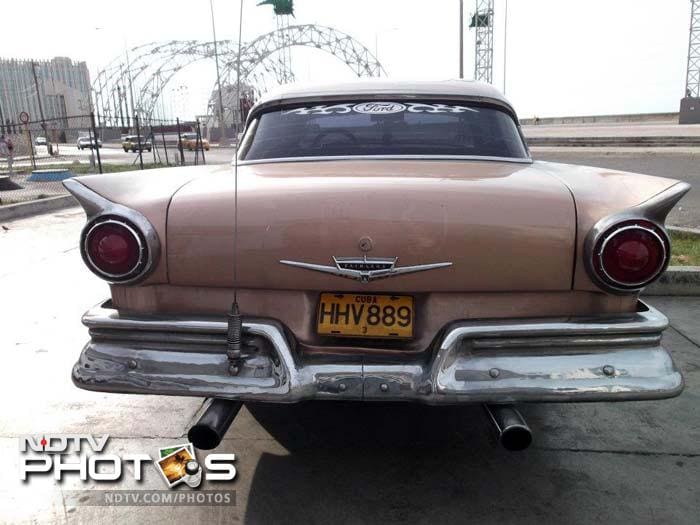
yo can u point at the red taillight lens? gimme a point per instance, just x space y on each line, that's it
114 250
631 254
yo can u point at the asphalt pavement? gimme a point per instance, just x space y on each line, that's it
113 154
338 463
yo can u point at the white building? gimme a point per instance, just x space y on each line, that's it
64 88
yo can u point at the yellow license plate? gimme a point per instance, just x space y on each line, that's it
365 315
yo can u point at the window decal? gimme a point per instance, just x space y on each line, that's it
378 108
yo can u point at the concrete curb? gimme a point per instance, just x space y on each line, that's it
677 280
36 207
692 232
619 142
591 119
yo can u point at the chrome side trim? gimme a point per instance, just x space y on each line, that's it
654 210
97 207
581 359
387 157
660 205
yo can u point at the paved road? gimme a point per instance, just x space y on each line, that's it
682 165
318 463
113 154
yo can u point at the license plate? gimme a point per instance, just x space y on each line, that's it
365 315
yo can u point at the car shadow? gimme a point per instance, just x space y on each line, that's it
360 463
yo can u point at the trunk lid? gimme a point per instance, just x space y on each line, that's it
504 226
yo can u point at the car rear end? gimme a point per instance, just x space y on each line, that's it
504 322
393 248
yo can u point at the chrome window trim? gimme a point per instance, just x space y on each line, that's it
639 284
93 266
300 100
386 157
96 207
246 140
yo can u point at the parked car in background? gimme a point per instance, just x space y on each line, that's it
402 248
191 143
87 142
135 143
40 141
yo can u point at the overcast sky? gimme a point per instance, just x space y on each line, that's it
564 57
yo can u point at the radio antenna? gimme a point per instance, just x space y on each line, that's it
235 321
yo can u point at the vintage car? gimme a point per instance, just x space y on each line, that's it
191 142
136 143
378 241
86 142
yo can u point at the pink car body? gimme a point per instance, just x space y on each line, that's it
521 278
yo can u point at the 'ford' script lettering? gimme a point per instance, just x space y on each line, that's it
376 108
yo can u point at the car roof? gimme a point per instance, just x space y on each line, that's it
383 88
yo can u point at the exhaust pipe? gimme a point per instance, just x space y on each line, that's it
512 430
211 428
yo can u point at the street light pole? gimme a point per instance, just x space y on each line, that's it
38 97
461 38
222 124
131 83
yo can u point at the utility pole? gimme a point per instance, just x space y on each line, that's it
38 97
690 104
461 38
222 124
131 85
482 22
121 93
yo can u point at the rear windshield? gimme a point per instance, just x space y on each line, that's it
385 128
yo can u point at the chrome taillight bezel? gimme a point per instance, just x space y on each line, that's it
140 265
100 210
610 233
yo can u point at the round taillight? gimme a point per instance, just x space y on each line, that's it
631 254
114 250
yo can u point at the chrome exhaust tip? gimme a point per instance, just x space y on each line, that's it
212 426
512 430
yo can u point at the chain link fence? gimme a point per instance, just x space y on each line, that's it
39 155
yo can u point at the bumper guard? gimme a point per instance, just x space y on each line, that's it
605 358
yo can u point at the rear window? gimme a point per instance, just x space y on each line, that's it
385 128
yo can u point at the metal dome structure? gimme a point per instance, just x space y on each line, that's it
134 82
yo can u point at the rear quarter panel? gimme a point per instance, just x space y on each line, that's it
149 193
599 192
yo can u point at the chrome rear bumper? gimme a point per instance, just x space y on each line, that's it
606 358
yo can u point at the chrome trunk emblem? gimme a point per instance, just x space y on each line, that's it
366 269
